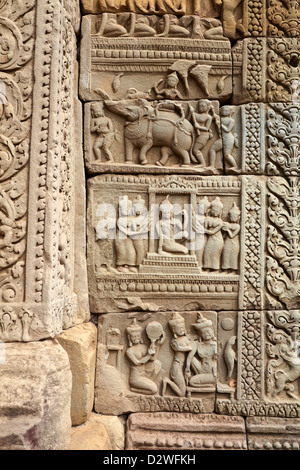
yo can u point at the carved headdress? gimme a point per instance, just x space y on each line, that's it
133 328
176 320
202 322
217 203
234 210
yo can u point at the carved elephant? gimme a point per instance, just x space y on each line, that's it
147 126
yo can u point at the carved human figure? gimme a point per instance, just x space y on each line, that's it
215 243
202 121
180 345
170 229
125 250
139 228
231 25
229 139
109 26
141 26
103 127
232 228
170 92
170 26
216 147
199 228
145 367
202 359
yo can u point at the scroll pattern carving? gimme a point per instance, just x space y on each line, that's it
284 16
283 67
283 123
16 80
283 273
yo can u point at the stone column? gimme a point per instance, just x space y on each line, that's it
43 287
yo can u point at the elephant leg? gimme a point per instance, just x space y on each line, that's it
129 148
166 152
144 150
184 155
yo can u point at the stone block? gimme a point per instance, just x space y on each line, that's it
38 266
185 64
35 398
152 265
173 431
115 428
273 433
90 436
267 366
165 361
168 139
80 342
260 138
266 70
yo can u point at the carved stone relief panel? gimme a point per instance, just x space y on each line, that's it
138 136
271 18
37 290
283 244
153 7
266 70
174 431
262 138
175 242
121 59
267 365
163 362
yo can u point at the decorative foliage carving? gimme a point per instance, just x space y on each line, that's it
283 123
284 18
283 66
283 266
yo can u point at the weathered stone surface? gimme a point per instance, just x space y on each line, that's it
174 138
38 295
267 365
266 70
163 362
261 138
173 431
35 398
161 7
115 428
143 266
90 436
80 342
176 67
273 433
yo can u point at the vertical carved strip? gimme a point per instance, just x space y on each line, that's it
250 384
252 244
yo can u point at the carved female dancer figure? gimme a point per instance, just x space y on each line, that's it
231 250
215 243
143 362
181 345
203 357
